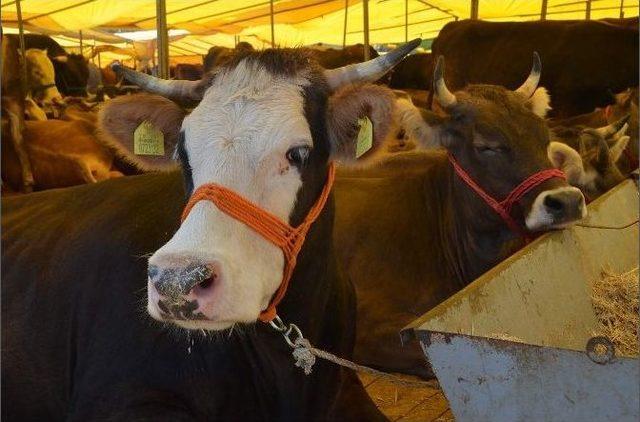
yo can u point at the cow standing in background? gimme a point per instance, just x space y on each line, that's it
71 70
410 232
332 58
585 61
414 72
218 56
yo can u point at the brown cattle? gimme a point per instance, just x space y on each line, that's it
410 232
585 61
62 153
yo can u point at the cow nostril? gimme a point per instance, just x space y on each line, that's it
553 204
152 271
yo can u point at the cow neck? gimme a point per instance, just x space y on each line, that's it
473 237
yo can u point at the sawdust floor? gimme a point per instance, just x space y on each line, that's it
400 403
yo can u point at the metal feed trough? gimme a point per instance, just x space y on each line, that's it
512 346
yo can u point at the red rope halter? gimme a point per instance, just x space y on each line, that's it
503 208
289 239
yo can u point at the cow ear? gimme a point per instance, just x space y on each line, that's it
61 59
419 124
567 159
539 102
119 119
346 113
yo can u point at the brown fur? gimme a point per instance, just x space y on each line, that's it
119 118
62 154
351 103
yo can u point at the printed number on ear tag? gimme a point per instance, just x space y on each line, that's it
365 136
148 140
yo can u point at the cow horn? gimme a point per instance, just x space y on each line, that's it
445 97
371 70
531 84
613 128
175 89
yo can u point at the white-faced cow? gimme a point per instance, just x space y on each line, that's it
77 343
418 227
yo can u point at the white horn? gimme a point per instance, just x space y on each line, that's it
531 84
175 89
614 128
445 97
369 71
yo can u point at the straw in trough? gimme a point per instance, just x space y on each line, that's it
615 301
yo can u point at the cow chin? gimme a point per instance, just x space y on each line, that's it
556 209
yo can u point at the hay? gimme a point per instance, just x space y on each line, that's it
615 301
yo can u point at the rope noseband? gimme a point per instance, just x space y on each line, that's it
288 239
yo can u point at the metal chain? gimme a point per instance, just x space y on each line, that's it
304 354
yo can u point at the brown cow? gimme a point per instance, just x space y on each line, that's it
62 153
585 61
409 232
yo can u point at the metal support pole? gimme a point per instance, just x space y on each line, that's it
162 39
621 9
587 15
344 30
365 7
99 62
543 11
23 63
406 20
474 9
273 32
80 38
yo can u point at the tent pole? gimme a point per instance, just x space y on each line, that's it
621 9
344 31
80 39
587 15
365 7
406 20
23 64
474 9
162 39
273 32
543 11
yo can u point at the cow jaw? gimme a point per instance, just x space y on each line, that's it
237 137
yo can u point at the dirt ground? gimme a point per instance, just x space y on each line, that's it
401 403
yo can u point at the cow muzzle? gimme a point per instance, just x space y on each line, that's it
182 289
556 209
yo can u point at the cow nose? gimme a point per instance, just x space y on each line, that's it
564 204
173 282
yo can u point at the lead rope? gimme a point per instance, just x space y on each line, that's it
304 355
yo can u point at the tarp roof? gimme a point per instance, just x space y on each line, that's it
297 22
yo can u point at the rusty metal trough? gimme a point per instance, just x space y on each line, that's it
512 345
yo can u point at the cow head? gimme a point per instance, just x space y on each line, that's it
265 127
72 74
500 138
591 164
41 78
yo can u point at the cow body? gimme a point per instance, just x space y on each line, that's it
585 61
332 58
98 356
414 72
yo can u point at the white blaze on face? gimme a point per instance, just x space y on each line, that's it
238 137
41 74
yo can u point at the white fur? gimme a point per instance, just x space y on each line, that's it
238 137
540 102
41 73
539 218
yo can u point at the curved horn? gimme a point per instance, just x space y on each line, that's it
613 128
175 89
371 70
445 97
531 84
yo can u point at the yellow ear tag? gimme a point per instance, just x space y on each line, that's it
365 136
148 140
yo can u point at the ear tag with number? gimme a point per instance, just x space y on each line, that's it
365 136
148 140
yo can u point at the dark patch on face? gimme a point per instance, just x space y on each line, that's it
183 158
180 311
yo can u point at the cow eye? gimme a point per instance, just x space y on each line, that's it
491 150
298 156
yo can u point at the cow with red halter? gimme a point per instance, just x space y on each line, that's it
419 226
255 242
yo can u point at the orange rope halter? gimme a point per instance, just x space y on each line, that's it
287 238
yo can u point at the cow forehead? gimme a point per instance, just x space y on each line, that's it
246 115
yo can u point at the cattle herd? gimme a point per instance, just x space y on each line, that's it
118 305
